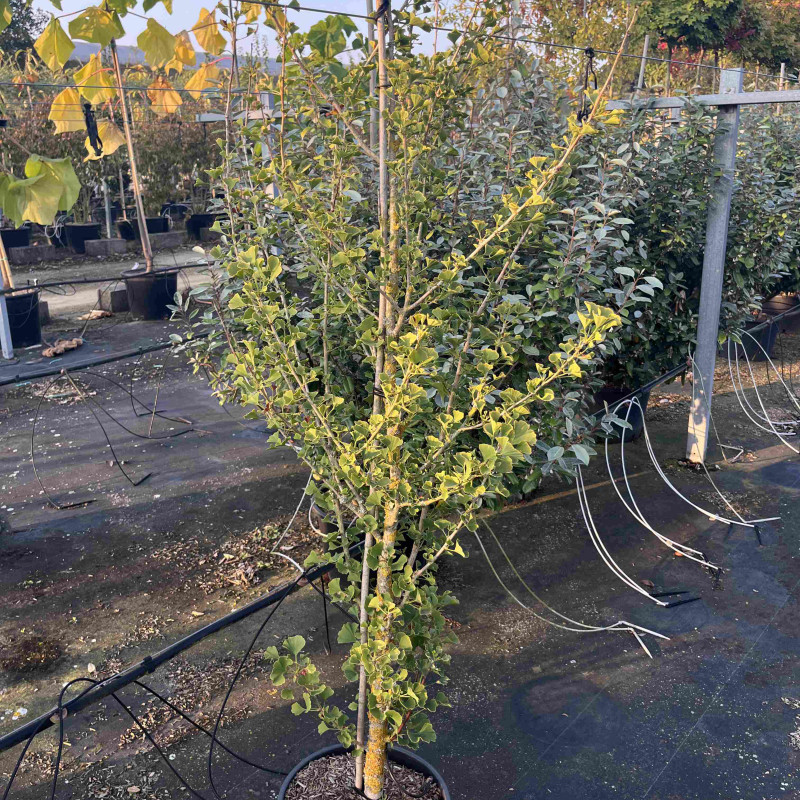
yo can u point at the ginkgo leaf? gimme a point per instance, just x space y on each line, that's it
205 78
157 44
96 25
54 46
206 31
66 112
111 137
184 54
148 4
95 81
163 98
252 11
5 14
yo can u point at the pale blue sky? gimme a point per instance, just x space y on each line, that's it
185 13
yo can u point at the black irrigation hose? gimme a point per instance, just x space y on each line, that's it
94 362
150 663
107 278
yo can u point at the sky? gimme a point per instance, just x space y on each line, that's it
186 12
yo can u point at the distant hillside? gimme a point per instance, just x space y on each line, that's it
133 55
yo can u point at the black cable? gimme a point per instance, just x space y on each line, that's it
235 678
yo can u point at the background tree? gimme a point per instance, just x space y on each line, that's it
25 25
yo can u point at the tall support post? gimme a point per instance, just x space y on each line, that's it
781 85
643 64
137 187
107 206
731 80
6 282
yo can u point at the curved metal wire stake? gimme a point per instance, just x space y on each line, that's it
752 413
602 550
789 392
573 626
636 512
710 514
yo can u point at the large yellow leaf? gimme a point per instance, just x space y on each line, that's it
184 54
206 31
50 186
111 137
66 112
163 98
95 82
96 25
157 44
204 78
5 14
252 11
54 46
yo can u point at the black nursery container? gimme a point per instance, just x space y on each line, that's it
156 225
397 755
760 343
79 234
149 293
23 318
16 237
197 222
612 395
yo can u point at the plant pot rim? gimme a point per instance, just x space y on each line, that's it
407 757
154 273
23 291
82 224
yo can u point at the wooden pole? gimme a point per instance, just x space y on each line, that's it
137 190
781 84
731 80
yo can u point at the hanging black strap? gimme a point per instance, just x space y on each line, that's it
589 71
91 129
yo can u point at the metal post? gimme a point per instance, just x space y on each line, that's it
6 282
640 82
107 203
731 80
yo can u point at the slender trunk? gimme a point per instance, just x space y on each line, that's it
361 719
375 759
137 191
668 81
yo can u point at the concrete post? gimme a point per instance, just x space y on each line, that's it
731 80
107 204
6 282
643 64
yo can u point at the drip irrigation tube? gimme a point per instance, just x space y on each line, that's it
94 362
150 663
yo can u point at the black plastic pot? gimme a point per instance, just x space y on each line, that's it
157 224
779 304
198 221
127 229
149 293
397 755
78 235
612 395
765 337
59 237
23 318
16 237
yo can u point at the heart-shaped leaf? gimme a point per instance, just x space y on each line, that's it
206 31
157 44
66 112
163 98
96 25
54 46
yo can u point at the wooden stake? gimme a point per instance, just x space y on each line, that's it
6 282
137 190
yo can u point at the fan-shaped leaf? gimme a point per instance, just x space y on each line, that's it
205 78
66 112
206 31
96 25
163 98
111 137
54 46
157 44
95 81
